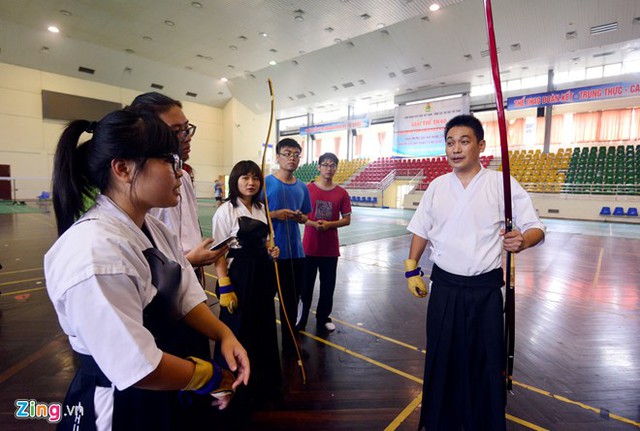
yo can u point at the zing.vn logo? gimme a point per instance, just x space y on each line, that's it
52 412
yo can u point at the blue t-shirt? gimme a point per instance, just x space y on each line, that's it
293 197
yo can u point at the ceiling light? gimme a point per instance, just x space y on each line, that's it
233 47
53 29
434 7
169 23
196 4
337 40
263 34
223 79
299 18
147 38
273 62
129 51
380 25
65 12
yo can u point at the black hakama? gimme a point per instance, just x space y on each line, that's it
464 384
253 322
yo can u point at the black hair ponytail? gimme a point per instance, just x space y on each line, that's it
70 183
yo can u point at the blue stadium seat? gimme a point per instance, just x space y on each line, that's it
605 211
632 212
618 211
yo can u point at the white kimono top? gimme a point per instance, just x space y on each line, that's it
224 222
463 225
183 218
99 282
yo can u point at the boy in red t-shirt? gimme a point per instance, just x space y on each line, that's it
331 209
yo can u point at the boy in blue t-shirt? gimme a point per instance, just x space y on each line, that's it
289 202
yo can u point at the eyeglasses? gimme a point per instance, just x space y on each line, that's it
329 165
176 162
288 155
183 134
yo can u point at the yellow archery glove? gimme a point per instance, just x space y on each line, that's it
415 283
228 297
210 378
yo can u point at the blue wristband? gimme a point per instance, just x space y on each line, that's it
225 289
213 383
417 271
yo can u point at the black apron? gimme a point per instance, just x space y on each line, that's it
140 409
253 322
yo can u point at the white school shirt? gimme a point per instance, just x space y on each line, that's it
224 222
99 282
183 218
463 225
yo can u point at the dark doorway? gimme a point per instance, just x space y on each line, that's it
5 185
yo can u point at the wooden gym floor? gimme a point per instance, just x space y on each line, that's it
577 361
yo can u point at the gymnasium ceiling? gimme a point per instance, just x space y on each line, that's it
328 52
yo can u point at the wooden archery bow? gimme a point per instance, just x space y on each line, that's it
510 270
271 237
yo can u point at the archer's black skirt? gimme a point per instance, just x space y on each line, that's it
464 384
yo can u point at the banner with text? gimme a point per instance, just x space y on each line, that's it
354 123
574 95
418 130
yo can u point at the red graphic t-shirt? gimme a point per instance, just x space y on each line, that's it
325 205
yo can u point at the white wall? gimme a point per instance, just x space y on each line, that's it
27 140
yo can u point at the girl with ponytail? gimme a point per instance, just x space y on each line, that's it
120 284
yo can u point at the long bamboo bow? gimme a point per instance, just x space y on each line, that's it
510 270
271 237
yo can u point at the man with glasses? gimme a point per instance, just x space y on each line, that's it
289 203
183 218
183 221
331 209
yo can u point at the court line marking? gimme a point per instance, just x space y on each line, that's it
577 403
400 343
523 385
400 373
49 349
404 414
596 277
418 349
20 270
8 283
19 292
